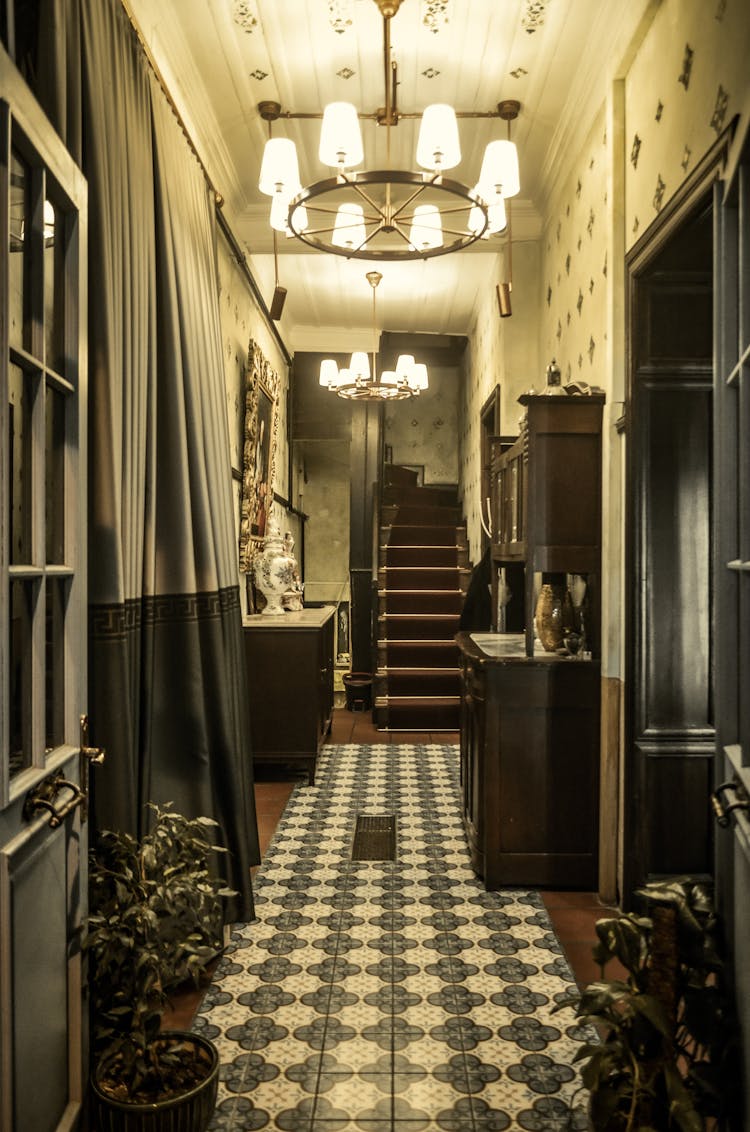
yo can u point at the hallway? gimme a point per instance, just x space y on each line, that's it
379 994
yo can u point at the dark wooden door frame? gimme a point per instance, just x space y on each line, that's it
693 195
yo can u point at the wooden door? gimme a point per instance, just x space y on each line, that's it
42 619
731 564
670 723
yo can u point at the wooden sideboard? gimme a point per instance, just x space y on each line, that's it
529 763
290 684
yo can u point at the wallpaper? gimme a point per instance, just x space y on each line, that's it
575 268
689 78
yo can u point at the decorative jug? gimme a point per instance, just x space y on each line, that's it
274 571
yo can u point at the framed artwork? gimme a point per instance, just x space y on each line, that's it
259 447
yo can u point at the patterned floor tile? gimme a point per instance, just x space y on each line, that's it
385 996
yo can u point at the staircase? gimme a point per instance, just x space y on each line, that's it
422 579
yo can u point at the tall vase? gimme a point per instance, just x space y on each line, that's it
549 616
274 571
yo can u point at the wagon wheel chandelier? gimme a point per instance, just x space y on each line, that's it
392 214
362 382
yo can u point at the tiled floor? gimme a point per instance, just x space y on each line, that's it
389 996
296 1102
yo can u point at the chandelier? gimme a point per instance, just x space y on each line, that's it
393 214
360 382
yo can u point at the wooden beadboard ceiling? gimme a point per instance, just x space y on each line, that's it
220 58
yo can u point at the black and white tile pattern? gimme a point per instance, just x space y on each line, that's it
379 996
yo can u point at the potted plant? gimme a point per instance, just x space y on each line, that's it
667 1058
155 921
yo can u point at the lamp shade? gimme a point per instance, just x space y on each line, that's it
299 212
419 376
349 226
329 373
340 136
477 221
438 146
342 378
404 366
497 217
389 377
279 170
499 174
359 366
426 228
279 212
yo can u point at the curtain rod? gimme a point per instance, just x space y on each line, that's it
237 252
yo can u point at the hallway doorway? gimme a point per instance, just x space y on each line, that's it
669 671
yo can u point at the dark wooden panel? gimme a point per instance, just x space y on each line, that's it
677 814
290 688
675 557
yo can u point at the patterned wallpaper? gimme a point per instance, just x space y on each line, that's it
690 77
575 268
499 351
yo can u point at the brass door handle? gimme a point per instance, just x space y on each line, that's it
721 809
44 797
89 755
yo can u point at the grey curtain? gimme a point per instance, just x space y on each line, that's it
166 666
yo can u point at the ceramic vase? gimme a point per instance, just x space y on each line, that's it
274 571
549 616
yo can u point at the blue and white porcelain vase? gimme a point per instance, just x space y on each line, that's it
274 571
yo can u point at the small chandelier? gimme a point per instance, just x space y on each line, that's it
360 382
392 214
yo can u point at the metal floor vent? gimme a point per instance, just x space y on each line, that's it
374 838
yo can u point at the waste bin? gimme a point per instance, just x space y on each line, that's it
358 688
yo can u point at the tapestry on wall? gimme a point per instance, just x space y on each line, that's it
259 451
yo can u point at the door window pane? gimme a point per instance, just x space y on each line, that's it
19 457
55 407
54 691
54 286
19 242
19 671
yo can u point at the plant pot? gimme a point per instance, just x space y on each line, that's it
190 1111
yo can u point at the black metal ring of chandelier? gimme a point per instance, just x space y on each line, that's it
393 219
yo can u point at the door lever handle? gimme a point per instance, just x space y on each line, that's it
45 797
721 809
89 756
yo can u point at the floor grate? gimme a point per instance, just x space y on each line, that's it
374 838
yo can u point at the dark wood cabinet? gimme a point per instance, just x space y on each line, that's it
529 764
290 684
530 718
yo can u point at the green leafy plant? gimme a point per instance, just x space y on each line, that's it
667 1058
155 922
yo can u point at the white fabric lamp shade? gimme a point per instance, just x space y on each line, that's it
342 378
359 366
280 212
404 366
279 170
389 377
349 226
419 376
438 146
299 212
340 136
477 221
497 218
426 228
329 373
499 175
